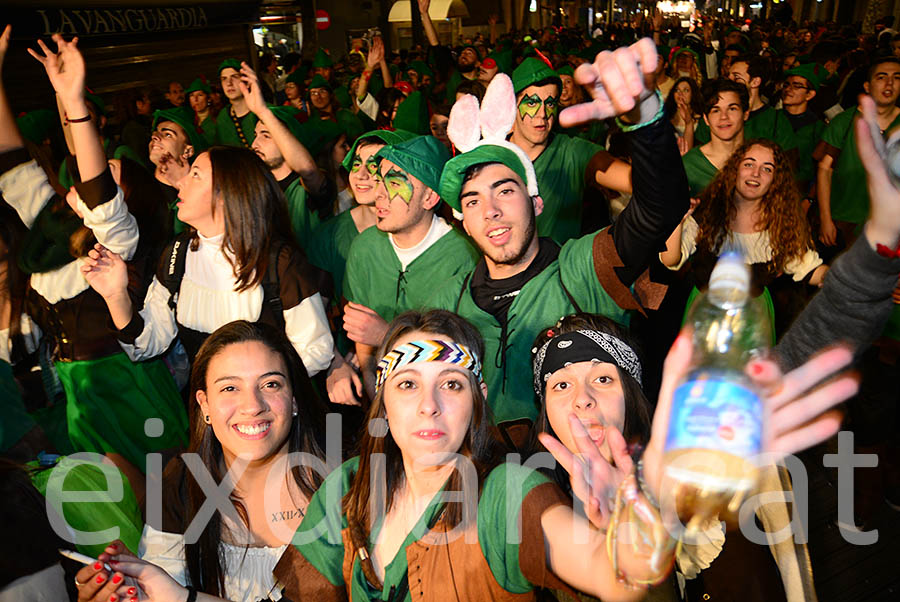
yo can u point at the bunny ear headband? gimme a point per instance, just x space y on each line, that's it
480 133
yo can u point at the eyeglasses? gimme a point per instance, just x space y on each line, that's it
797 86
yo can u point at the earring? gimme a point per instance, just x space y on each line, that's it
206 418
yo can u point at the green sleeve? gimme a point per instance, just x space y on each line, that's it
836 133
16 420
577 273
499 531
318 537
303 221
702 134
354 275
580 152
784 133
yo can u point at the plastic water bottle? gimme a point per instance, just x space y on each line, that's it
716 423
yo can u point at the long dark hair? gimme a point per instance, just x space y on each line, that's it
479 445
638 411
671 107
12 233
255 211
204 565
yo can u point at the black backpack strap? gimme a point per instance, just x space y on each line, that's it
569 295
175 267
462 291
272 290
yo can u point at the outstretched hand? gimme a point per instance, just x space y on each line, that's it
4 42
619 81
376 53
250 88
883 226
594 479
65 68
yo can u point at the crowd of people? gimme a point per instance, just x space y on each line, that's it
463 253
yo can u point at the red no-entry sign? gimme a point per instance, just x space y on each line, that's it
323 19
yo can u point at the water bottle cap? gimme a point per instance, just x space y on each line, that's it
730 274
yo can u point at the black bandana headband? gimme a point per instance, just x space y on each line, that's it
583 346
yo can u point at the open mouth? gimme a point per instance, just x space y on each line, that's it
430 434
499 236
252 431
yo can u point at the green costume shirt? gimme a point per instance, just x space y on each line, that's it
319 536
208 130
15 421
303 220
560 171
540 303
375 277
807 138
849 195
763 123
227 134
119 152
330 247
700 171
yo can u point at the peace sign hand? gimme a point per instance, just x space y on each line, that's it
594 479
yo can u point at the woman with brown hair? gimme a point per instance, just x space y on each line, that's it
751 206
237 261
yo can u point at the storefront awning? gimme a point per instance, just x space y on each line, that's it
439 10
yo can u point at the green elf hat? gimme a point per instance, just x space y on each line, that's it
811 72
297 77
468 123
423 157
502 58
474 49
385 136
229 64
185 119
322 59
412 115
320 82
421 68
533 70
35 126
288 116
682 50
96 101
316 134
198 85
566 70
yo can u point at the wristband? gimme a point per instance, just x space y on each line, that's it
78 120
367 75
630 127
192 594
887 251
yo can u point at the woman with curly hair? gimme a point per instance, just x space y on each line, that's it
751 206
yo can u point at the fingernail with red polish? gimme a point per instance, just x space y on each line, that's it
131 591
100 578
113 598
97 566
117 578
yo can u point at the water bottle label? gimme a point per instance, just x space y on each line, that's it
715 414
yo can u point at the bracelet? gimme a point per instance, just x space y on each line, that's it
78 120
192 594
630 127
885 251
367 75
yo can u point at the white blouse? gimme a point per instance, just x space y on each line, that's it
754 246
30 332
207 300
248 571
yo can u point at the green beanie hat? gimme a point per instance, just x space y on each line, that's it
297 77
421 68
531 71
412 115
423 157
315 134
320 82
455 169
184 118
288 116
387 137
322 59
229 63
198 85
811 72
35 126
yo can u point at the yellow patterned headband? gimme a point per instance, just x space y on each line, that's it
426 351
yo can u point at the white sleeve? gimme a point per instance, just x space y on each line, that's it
307 328
799 268
698 555
165 550
689 231
27 189
112 224
159 327
369 106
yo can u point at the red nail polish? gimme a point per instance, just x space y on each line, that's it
113 598
133 600
131 591
97 566
100 579
117 578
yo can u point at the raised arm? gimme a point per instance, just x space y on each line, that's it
10 138
295 154
373 60
430 33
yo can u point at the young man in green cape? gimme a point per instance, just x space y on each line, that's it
396 266
235 123
800 86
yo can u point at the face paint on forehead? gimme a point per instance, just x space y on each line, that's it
398 184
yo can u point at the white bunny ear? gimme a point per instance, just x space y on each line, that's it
498 109
463 129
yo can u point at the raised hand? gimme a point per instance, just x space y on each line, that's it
105 272
423 6
251 90
65 68
618 81
594 479
376 53
883 225
4 42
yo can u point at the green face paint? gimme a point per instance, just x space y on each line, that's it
372 167
398 185
531 104
357 163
